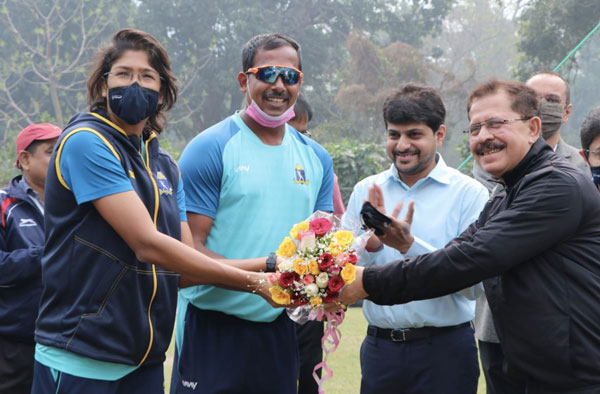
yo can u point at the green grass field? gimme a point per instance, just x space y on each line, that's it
344 362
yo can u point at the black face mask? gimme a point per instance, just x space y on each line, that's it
133 103
595 175
374 219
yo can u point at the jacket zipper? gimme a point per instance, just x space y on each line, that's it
154 219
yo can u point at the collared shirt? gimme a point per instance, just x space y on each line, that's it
446 202
35 197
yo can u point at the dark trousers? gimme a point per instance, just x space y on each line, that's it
144 380
224 354
309 345
445 363
497 382
492 361
16 366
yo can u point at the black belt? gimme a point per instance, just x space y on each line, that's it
410 334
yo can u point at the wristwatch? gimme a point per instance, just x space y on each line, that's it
271 262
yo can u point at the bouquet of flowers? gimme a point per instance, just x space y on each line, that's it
318 261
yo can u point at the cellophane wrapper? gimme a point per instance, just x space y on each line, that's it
319 259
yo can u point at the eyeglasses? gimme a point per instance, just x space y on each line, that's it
593 153
145 78
270 73
491 124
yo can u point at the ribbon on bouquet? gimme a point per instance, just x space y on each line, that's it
329 343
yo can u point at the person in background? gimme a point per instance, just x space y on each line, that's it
554 110
21 246
310 333
424 346
303 114
535 247
248 179
590 143
553 87
115 219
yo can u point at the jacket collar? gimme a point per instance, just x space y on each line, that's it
19 187
148 138
538 148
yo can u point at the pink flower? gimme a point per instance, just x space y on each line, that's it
307 240
273 278
342 259
334 269
308 279
320 226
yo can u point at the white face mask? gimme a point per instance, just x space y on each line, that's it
266 120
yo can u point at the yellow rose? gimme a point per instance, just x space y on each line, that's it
313 267
335 248
300 267
344 238
287 248
279 295
348 273
316 302
302 226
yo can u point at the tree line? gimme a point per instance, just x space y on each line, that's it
354 52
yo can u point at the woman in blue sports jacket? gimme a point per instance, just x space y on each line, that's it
115 213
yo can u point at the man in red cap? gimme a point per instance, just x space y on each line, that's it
21 245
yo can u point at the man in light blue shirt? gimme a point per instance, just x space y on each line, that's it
248 180
423 346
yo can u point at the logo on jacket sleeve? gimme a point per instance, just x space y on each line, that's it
163 184
300 175
27 222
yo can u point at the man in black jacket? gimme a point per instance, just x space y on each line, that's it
536 247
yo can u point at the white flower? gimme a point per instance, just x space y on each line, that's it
308 241
312 290
286 266
322 280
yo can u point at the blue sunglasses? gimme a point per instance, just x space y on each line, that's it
270 73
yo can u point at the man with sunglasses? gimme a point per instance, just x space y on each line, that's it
535 247
248 180
426 346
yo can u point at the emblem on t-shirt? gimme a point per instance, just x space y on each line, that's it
300 175
163 184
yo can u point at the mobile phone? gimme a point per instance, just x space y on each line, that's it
372 218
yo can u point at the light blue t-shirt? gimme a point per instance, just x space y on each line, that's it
254 193
446 203
92 171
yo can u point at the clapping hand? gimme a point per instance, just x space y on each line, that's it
397 235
